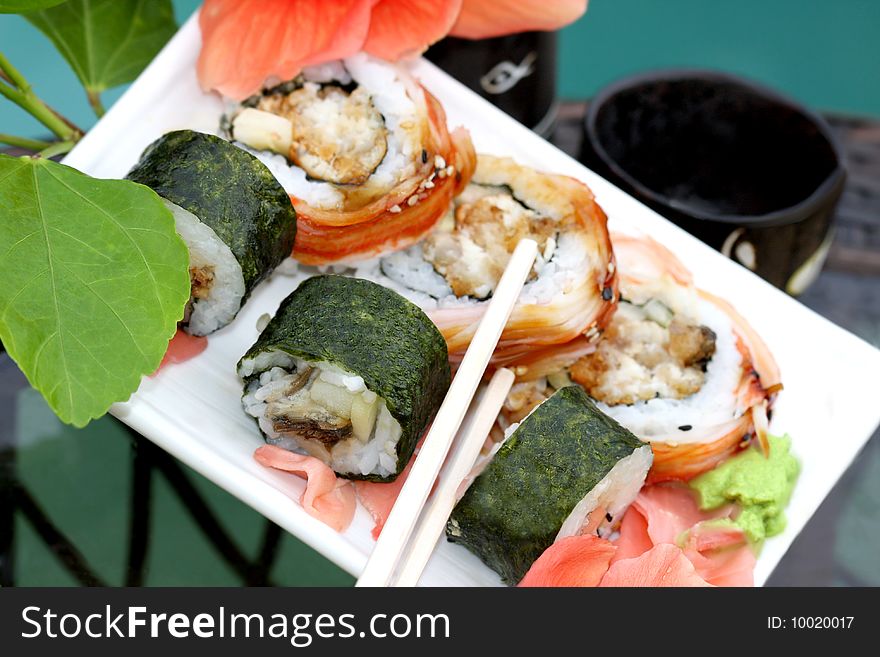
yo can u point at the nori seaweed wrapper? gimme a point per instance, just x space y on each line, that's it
229 190
513 511
375 333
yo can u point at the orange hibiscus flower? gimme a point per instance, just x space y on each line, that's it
246 42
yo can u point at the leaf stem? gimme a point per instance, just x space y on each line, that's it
19 92
11 73
95 102
24 142
58 148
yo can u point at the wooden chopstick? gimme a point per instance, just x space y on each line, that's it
401 521
481 416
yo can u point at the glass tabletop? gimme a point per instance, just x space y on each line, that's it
104 506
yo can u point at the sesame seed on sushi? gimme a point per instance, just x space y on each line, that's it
453 272
364 152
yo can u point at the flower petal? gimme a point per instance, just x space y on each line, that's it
480 19
399 28
246 43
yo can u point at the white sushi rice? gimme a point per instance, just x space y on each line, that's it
714 404
208 250
611 496
264 361
376 456
407 272
390 89
294 181
328 72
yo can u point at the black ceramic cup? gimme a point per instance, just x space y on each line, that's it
739 166
517 73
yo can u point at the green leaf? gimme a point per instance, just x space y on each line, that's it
94 280
22 6
107 42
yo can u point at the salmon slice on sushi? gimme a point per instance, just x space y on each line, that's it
678 367
453 272
364 152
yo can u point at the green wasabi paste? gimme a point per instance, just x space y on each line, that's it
760 485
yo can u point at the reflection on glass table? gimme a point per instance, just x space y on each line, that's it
104 506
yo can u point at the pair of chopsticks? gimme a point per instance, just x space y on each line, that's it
387 565
470 439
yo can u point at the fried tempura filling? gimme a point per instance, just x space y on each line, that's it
472 253
337 136
639 359
201 280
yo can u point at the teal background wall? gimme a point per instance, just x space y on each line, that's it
824 53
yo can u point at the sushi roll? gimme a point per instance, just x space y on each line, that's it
678 367
565 470
348 372
452 273
234 217
364 152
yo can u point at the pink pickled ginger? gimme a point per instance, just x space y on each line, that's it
669 515
665 540
572 561
181 348
662 565
378 498
327 498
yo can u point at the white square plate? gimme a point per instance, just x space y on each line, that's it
192 410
